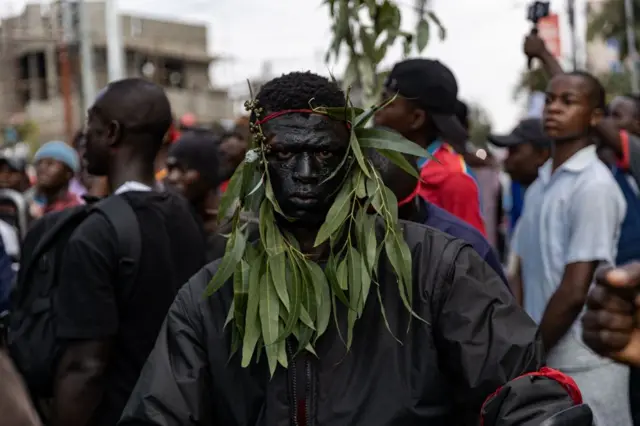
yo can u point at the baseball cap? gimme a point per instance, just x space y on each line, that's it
433 87
527 131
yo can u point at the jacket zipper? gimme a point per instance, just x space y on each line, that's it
294 385
308 393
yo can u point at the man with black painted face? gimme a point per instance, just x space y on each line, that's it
476 339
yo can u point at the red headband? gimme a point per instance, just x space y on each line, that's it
292 111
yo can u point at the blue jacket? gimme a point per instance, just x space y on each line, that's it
435 217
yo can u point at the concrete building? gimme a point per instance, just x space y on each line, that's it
172 54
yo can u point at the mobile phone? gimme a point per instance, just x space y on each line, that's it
537 10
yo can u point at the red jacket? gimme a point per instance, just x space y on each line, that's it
447 183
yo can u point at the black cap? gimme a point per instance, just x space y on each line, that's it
433 87
15 164
527 131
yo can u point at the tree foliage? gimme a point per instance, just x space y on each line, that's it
609 23
534 80
366 29
479 125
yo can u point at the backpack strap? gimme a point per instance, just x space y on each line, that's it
125 222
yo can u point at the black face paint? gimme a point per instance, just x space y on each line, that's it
305 150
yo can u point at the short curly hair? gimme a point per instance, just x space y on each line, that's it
296 89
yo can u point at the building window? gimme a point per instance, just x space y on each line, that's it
173 75
136 27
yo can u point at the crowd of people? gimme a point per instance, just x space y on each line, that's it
106 318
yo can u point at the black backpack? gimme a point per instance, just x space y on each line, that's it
32 325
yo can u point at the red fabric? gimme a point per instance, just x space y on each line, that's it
623 163
302 413
223 186
69 200
410 197
567 382
446 183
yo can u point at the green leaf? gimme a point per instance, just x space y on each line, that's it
271 197
240 293
360 185
355 282
441 28
374 191
401 161
383 311
371 244
342 275
366 284
394 256
232 256
352 71
283 360
323 298
269 320
390 141
331 272
338 113
294 283
355 147
391 203
232 193
230 314
422 35
277 267
336 216
368 42
252 324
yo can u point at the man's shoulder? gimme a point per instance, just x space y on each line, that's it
444 221
429 240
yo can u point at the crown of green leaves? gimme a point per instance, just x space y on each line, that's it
280 293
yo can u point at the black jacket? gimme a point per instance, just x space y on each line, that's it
477 340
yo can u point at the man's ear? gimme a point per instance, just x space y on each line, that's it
418 119
114 132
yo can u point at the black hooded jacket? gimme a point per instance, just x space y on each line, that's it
476 340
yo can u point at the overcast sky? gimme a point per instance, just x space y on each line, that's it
483 46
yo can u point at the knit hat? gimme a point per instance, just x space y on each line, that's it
60 151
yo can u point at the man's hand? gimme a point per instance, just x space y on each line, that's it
613 311
534 46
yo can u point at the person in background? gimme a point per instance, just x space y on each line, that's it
13 174
233 147
486 173
56 164
193 167
105 327
570 225
161 160
414 208
528 149
424 111
81 180
95 187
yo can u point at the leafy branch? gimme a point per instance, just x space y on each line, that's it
366 29
280 294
